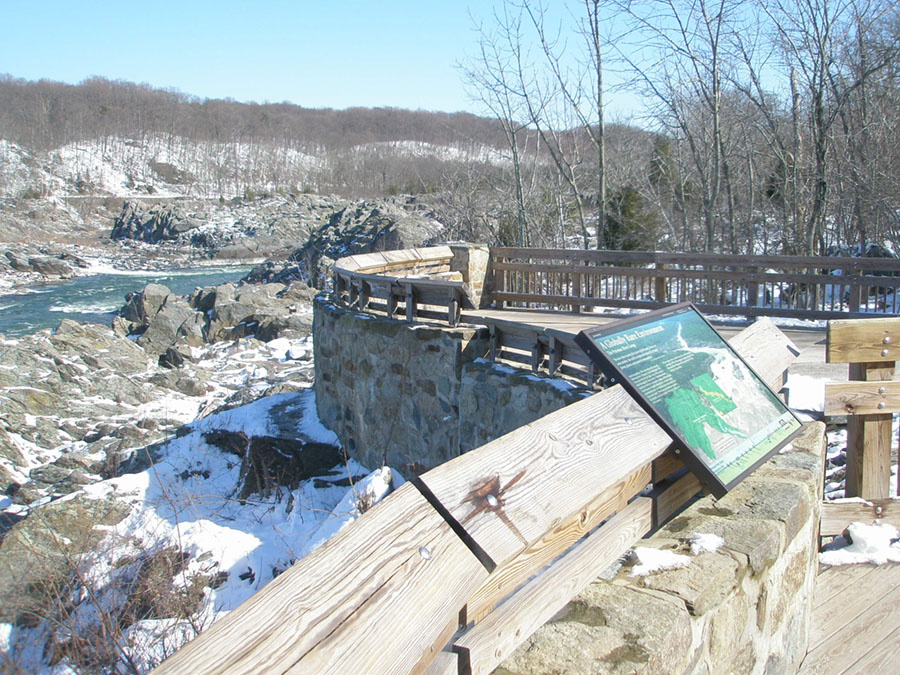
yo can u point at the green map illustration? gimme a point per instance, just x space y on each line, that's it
708 395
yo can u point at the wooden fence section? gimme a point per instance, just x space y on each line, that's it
419 279
807 287
869 400
459 556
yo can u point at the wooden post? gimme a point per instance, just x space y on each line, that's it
536 356
660 285
855 297
554 353
391 304
576 292
495 343
869 442
363 299
410 303
452 308
870 347
753 289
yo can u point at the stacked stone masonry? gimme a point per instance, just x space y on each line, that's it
413 396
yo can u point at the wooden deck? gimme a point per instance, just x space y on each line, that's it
855 626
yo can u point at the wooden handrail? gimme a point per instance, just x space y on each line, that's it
789 286
387 593
410 276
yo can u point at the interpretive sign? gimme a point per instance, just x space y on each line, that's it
675 364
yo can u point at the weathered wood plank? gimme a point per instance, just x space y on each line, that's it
666 465
862 340
862 398
483 647
881 656
516 488
399 575
836 516
446 663
766 349
509 576
869 442
834 581
853 616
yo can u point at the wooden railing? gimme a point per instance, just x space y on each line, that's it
869 400
803 287
419 279
458 567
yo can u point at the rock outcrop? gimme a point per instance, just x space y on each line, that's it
360 228
165 324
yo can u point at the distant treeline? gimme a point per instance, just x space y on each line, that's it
43 115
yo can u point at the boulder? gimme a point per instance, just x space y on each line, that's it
40 553
108 349
142 306
51 267
165 327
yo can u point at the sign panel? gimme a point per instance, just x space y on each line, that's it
697 388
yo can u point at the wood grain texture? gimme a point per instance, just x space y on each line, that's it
850 625
862 340
767 350
511 491
869 441
674 497
483 647
881 656
862 398
336 609
504 579
835 517
446 663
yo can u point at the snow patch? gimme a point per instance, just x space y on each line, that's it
650 560
876 544
705 543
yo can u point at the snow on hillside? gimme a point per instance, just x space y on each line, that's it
172 166
447 153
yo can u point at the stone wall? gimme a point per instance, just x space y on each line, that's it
386 386
743 608
390 391
495 399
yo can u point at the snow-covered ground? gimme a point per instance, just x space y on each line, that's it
186 500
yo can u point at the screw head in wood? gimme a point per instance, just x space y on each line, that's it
884 352
886 340
492 501
880 405
425 553
881 390
878 510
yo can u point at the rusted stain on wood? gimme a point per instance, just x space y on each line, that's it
488 496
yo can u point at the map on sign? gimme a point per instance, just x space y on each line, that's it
697 387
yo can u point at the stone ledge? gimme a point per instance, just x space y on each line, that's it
741 609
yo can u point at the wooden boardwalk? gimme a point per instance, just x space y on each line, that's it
855 626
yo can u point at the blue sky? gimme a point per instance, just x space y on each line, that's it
398 53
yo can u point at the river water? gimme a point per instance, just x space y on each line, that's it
96 298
